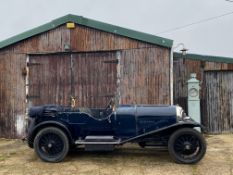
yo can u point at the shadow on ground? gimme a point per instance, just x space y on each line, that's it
17 158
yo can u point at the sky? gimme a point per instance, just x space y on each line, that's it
213 37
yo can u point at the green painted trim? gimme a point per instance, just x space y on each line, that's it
92 24
203 57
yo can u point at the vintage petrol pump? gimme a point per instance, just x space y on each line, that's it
194 98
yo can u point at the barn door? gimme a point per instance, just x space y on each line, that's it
91 77
94 78
218 92
49 79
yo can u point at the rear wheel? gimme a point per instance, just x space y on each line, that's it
51 144
187 146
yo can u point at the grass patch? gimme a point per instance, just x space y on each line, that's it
2 158
6 155
12 153
194 170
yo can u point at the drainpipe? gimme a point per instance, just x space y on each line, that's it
171 75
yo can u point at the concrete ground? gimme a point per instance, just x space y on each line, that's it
17 158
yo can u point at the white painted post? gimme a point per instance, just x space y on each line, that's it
194 98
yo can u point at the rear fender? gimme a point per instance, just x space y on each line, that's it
42 125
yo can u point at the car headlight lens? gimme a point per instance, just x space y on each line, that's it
181 115
179 112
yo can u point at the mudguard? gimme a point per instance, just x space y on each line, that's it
36 129
188 124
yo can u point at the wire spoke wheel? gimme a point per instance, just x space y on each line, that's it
187 146
51 144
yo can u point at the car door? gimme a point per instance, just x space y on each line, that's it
84 124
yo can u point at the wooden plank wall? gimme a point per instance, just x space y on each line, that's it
12 59
144 76
181 73
81 39
94 78
219 101
86 39
182 70
54 78
49 79
48 42
12 95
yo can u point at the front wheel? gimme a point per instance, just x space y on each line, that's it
187 146
51 144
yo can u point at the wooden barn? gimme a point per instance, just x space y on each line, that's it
83 58
216 81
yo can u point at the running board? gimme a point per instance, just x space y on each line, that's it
81 142
98 140
99 143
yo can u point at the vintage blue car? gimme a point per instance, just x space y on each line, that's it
54 130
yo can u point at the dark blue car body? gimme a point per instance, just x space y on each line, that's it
102 129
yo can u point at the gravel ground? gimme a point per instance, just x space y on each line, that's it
17 158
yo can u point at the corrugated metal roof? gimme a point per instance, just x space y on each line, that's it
203 57
92 24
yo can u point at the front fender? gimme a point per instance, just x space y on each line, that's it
45 124
172 128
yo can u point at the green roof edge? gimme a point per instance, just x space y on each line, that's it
209 58
92 24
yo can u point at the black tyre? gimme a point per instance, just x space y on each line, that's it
142 144
187 146
51 144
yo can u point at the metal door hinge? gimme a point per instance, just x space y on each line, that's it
111 61
32 96
33 64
